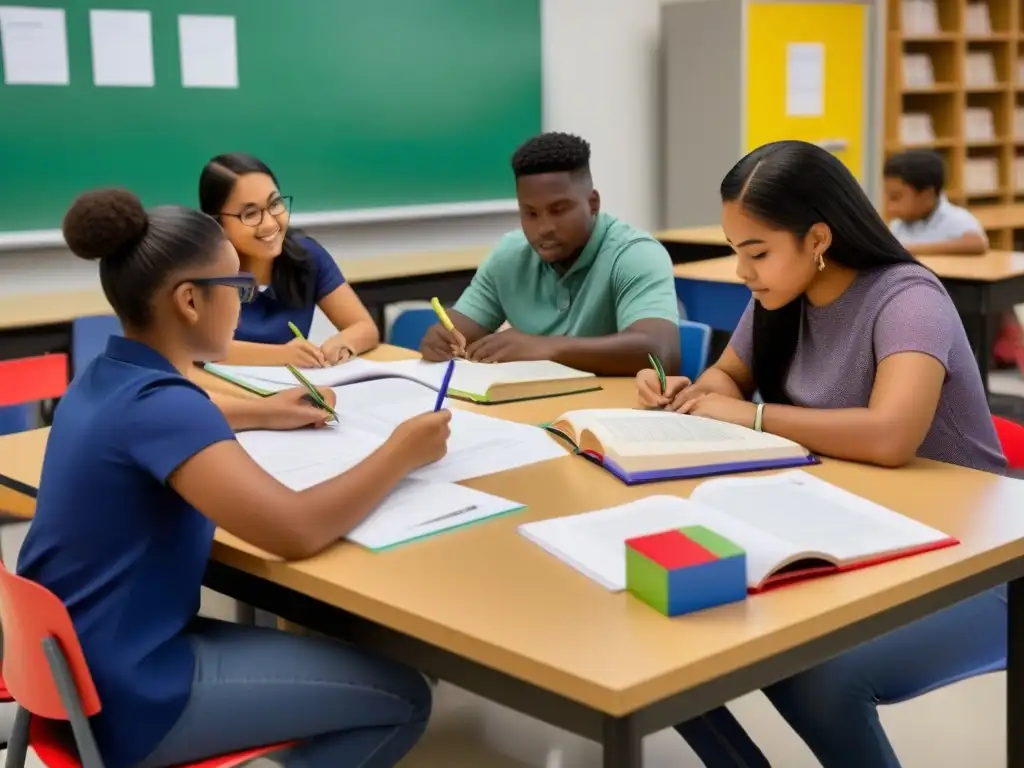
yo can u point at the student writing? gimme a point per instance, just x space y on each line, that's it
577 286
294 272
140 468
858 353
926 222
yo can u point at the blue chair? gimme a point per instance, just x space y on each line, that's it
15 418
410 326
89 338
694 343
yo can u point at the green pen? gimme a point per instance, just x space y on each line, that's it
314 395
295 329
658 369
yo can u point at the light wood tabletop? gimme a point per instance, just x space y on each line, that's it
54 308
487 594
988 268
709 235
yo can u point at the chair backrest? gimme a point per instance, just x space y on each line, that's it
31 379
14 419
1011 438
694 342
31 614
410 326
89 338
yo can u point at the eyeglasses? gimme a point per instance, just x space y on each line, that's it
243 282
253 217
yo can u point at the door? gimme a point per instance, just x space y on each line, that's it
806 77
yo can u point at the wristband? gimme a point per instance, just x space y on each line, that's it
759 417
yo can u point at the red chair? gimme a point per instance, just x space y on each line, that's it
1011 438
30 379
46 673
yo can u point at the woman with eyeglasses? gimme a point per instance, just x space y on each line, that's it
295 274
141 467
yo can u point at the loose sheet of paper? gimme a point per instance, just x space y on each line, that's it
209 51
805 79
35 46
122 48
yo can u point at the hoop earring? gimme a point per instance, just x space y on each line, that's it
821 261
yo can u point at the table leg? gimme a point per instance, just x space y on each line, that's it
1015 675
623 745
983 340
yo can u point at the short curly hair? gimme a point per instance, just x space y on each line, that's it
552 153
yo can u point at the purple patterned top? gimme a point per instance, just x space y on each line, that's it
902 308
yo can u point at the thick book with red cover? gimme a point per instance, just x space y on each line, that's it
792 526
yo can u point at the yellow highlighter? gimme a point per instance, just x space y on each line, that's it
442 315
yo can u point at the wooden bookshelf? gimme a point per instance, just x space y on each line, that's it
959 89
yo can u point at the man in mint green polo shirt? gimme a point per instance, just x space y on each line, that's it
577 286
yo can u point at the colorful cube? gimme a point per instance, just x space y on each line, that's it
685 570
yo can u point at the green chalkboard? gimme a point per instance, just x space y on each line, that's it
353 103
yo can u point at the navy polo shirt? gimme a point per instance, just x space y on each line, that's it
265 320
122 550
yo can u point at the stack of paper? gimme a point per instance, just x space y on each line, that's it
979 124
429 501
977 20
918 71
979 69
916 128
920 17
981 175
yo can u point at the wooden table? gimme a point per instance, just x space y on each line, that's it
34 324
485 609
982 287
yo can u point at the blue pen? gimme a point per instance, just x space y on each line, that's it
443 391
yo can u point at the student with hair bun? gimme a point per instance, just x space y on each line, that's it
141 467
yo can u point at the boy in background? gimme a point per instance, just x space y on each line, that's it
925 221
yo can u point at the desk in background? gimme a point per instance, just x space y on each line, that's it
34 324
485 609
982 288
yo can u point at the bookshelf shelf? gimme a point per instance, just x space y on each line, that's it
955 84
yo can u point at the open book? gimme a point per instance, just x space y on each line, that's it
641 446
478 382
791 524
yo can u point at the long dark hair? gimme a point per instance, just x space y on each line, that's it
291 276
791 186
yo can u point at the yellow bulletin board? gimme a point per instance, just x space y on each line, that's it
805 76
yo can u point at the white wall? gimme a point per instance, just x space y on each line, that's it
599 81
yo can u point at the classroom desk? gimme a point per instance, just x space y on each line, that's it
694 243
34 324
981 287
486 610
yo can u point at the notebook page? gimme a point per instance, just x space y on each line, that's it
594 543
816 516
479 444
261 375
633 431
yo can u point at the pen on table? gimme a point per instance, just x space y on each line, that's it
314 395
660 370
443 391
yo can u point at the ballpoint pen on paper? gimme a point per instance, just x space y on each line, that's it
443 391
660 370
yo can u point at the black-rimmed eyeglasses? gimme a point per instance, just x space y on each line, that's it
243 282
253 217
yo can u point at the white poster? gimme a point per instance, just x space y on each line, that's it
35 45
805 79
209 52
122 48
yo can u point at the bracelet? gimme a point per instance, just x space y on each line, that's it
759 417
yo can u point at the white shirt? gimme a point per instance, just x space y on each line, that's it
946 222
